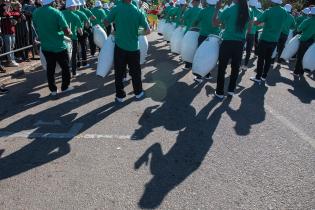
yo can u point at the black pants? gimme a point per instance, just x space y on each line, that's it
281 44
92 44
256 43
304 45
63 59
82 42
201 39
109 30
74 56
122 58
250 40
229 50
265 50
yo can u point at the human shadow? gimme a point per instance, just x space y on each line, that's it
184 158
302 90
251 110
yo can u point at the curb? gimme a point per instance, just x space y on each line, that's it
20 72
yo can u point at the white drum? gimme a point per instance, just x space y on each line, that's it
291 48
106 57
189 46
144 46
206 56
99 36
309 58
176 40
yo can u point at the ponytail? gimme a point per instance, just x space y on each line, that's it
243 15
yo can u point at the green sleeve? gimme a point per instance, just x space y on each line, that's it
262 17
62 21
224 14
111 16
143 21
303 25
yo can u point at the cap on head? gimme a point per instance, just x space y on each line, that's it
288 7
46 2
306 11
106 6
312 11
276 1
253 3
98 4
212 2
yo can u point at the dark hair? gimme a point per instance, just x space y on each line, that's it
243 15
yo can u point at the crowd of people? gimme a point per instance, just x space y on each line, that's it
239 23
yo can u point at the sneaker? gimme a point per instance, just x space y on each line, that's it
119 100
77 74
255 80
54 93
198 80
140 95
13 64
68 89
263 79
86 66
2 70
208 77
3 90
294 74
218 95
126 79
244 68
230 93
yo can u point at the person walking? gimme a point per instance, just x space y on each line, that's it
235 20
51 27
128 19
274 19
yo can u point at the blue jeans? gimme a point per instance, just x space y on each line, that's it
9 43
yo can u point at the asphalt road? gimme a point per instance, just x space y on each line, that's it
179 148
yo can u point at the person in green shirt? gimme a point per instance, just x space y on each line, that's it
303 16
273 20
307 27
189 18
204 21
128 20
100 15
251 32
89 32
235 20
107 11
289 24
51 27
167 12
76 27
258 11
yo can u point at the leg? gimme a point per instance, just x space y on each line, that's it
92 44
235 64
281 44
135 71
224 57
268 57
300 54
63 60
249 46
261 59
120 64
83 50
74 56
51 66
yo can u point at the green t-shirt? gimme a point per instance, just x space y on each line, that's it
300 19
173 12
229 19
167 12
307 27
49 24
86 11
190 17
274 19
82 16
254 13
204 20
289 24
100 15
73 21
128 20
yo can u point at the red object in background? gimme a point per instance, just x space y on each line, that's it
153 12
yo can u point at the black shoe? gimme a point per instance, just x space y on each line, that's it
2 70
3 90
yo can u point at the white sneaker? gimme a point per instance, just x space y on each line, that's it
86 66
198 80
218 95
68 89
231 93
244 68
77 74
255 80
126 79
263 79
13 64
209 77
140 95
120 100
54 93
